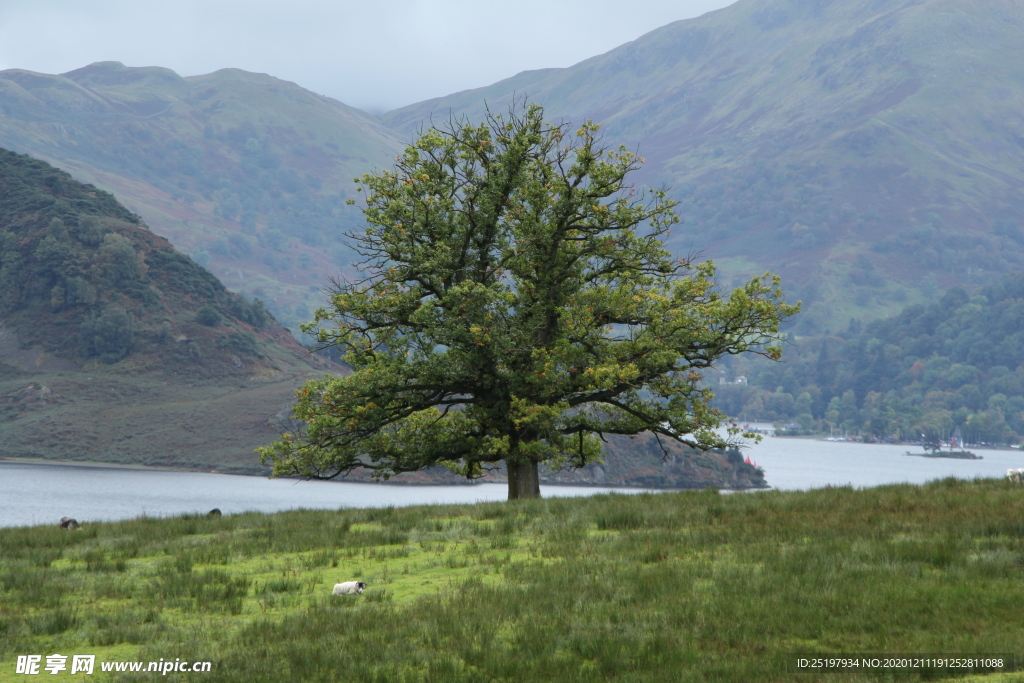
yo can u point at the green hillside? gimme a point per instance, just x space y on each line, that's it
116 347
867 151
87 281
954 363
245 172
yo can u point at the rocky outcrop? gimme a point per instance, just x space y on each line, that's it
31 397
32 359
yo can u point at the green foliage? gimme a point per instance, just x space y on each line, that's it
58 250
186 275
513 310
208 315
57 230
255 312
80 291
50 256
956 363
28 184
118 259
90 231
244 343
107 335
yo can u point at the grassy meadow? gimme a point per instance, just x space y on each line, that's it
690 586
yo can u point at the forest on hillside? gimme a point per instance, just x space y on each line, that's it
955 363
83 277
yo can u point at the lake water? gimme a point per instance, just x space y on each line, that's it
809 463
43 493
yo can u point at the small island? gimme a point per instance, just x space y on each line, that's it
960 455
933 449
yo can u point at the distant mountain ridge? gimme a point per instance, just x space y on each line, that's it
246 172
868 150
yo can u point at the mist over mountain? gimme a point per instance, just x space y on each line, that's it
870 151
247 173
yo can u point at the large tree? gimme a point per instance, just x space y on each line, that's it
516 304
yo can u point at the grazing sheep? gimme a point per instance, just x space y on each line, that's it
68 523
1016 475
349 588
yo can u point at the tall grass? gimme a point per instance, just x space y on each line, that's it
674 587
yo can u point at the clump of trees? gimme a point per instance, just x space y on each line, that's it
516 304
955 363
107 335
253 312
208 316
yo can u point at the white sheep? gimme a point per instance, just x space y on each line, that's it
349 588
1016 475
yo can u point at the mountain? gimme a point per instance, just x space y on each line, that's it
116 347
869 151
245 172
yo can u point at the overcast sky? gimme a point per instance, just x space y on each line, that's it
373 54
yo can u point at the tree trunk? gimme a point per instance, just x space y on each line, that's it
523 481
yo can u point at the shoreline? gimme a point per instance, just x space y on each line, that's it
805 437
102 465
128 466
